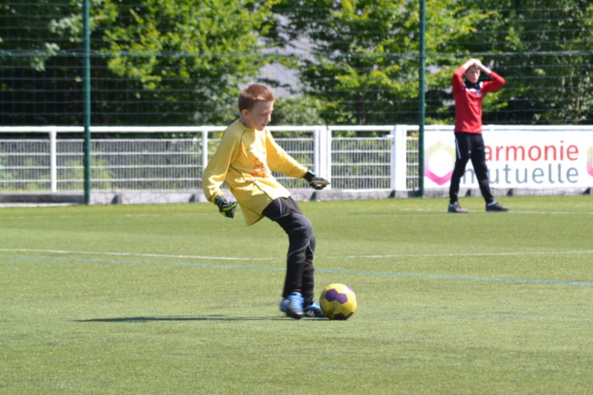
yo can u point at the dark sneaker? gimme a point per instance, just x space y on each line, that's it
496 207
313 310
293 306
457 209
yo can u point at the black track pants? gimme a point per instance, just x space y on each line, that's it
470 146
301 247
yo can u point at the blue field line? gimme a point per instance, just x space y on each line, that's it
437 276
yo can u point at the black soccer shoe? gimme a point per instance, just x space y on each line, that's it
496 207
314 310
455 208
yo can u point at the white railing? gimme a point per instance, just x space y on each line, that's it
162 160
50 159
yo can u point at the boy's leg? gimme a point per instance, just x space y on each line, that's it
301 247
308 277
478 158
463 151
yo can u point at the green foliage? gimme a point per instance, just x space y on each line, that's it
546 50
174 62
167 46
365 54
5 175
28 45
179 61
297 111
73 175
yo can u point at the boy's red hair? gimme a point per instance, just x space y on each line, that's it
253 94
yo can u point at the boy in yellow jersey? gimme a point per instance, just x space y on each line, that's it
245 159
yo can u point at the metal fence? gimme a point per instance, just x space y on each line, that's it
50 159
159 162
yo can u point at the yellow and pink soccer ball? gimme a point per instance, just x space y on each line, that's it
338 302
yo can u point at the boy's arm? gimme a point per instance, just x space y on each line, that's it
215 174
216 171
280 161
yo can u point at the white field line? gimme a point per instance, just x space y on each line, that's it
508 213
329 271
222 258
167 215
554 212
228 258
125 215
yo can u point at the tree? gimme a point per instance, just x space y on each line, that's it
363 61
183 61
188 58
24 43
153 61
40 78
545 50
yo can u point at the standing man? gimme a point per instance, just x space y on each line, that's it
469 143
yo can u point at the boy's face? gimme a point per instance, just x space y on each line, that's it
472 74
259 116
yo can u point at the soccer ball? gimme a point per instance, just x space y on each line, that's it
338 302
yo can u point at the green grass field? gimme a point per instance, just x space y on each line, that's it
165 299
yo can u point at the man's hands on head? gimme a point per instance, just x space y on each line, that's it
225 207
478 64
314 181
472 62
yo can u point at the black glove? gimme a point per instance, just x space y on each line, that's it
225 207
314 181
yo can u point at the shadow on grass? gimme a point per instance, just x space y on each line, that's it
177 319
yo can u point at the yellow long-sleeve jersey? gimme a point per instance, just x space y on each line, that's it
245 159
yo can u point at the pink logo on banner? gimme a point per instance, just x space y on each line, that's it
438 158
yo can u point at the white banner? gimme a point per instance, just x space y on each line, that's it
516 159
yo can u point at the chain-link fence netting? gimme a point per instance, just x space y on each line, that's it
183 62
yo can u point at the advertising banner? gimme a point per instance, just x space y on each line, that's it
516 159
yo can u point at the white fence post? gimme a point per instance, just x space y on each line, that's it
53 162
322 152
316 150
398 159
393 162
204 149
328 153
